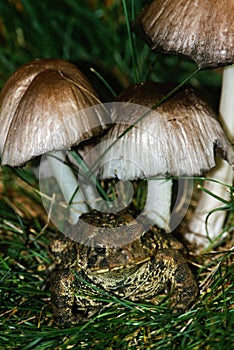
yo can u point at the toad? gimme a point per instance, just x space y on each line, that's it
114 253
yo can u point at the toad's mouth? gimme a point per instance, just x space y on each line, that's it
119 267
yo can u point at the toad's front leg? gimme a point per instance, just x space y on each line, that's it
183 284
62 296
72 297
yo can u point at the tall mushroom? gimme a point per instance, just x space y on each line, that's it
41 111
201 30
179 138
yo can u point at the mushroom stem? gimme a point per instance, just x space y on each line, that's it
158 203
227 102
222 172
68 184
200 232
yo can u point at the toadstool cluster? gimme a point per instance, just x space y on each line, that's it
43 110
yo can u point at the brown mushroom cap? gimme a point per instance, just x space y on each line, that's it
202 30
180 137
41 110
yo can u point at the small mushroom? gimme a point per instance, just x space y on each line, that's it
41 111
203 31
178 138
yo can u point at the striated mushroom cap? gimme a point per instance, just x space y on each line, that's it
180 137
41 110
202 30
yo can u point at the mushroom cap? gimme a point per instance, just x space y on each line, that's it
41 110
202 30
180 137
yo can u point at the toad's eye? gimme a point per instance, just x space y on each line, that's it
100 250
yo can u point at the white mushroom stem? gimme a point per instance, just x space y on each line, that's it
158 207
222 172
68 184
158 203
227 102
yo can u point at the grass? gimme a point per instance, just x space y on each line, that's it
95 34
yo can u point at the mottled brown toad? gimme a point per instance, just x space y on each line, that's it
127 262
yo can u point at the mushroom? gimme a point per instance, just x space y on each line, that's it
41 111
179 138
203 31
